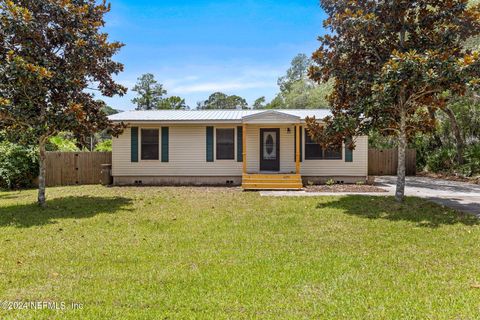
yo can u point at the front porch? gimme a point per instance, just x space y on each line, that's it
271 152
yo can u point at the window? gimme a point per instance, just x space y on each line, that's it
225 144
314 151
150 139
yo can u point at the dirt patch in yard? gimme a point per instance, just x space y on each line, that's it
345 188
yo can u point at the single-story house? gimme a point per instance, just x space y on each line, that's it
258 149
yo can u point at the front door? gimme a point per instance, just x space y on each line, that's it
269 149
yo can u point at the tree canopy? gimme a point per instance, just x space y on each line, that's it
297 91
392 62
149 93
298 71
173 103
219 100
260 103
52 54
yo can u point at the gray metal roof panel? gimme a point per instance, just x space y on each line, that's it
209 115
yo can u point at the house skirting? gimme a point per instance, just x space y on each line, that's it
218 180
178 181
338 179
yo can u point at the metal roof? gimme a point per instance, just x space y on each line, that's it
210 115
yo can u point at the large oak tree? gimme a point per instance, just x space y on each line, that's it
53 55
393 63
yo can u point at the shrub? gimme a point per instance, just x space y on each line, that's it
330 182
472 161
62 142
442 159
105 145
18 165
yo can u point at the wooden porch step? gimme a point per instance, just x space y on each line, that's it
279 181
272 176
272 182
270 186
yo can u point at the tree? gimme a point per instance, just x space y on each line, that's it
297 91
109 110
173 103
219 100
51 52
150 96
259 103
391 61
149 93
298 71
307 95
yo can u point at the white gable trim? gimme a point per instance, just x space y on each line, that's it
271 116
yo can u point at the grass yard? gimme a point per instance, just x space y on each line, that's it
184 253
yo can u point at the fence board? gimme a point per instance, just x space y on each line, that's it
71 168
384 162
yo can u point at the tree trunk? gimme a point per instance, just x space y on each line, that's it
437 142
402 147
458 135
41 176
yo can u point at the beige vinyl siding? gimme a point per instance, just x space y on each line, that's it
359 166
187 155
287 144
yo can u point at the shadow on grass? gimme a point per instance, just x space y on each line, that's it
6 196
421 212
28 215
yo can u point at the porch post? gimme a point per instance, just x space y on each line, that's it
244 151
297 149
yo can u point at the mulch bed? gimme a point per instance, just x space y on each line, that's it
345 188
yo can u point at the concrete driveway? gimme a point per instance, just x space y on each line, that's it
461 196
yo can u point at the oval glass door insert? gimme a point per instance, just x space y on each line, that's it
270 146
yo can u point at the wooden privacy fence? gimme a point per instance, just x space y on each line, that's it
384 162
71 168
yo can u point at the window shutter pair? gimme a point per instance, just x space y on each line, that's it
209 147
134 144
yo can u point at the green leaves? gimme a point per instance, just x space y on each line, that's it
219 100
51 53
150 95
392 55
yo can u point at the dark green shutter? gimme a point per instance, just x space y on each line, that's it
239 144
301 144
348 151
209 144
164 144
134 144
295 144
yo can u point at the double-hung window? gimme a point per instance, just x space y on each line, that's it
314 151
225 141
150 144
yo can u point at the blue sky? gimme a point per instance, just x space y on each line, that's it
198 47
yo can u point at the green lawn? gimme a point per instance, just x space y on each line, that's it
185 253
